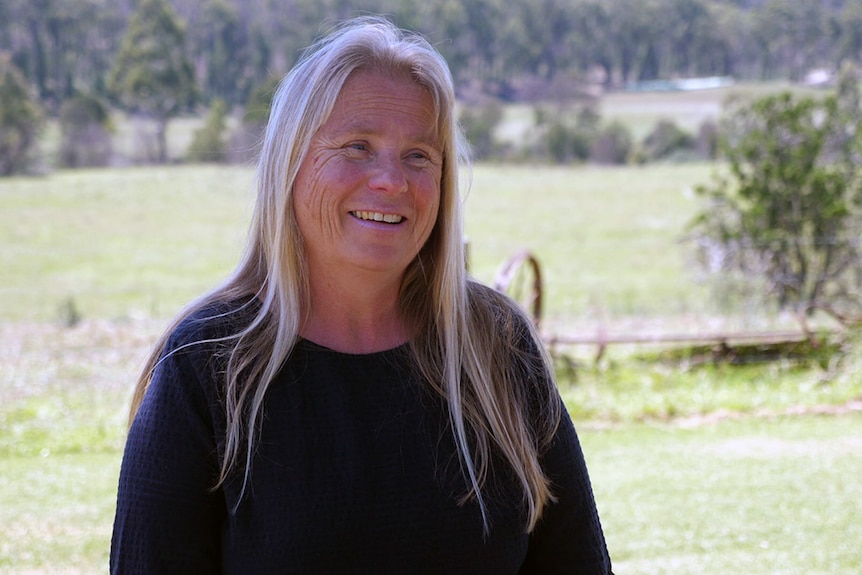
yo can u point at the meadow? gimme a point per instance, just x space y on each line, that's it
698 468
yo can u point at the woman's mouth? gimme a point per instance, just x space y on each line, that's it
377 217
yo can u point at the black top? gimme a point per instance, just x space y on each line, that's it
356 471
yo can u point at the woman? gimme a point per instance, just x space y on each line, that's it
349 401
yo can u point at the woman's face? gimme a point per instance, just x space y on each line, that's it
367 193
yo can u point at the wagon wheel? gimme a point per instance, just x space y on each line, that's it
521 278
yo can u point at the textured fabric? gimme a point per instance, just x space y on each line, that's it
356 471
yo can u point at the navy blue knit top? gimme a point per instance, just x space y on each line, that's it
355 472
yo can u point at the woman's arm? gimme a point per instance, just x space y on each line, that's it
568 538
168 519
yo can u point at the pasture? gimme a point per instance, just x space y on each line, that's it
706 469
138 241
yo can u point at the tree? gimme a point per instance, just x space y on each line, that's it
665 140
245 139
221 52
479 123
21 117
612 145
208 143
789 214
85 132
152 76
789 32
63 47
848 28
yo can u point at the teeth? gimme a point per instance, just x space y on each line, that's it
378 217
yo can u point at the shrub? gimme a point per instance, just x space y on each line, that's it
567 144
787 216
479 123
565 140
208 143
245 138
21 118
85 139
613 144
665 141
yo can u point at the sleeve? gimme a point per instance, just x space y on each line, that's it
168 518
569 537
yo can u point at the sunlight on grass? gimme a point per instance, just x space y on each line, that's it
631 391
56 512
143 241
608 240
742 496
118 243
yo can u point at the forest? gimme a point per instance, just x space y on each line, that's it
522 50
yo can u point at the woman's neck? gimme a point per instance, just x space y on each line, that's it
354 316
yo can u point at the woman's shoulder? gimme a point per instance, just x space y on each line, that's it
498 310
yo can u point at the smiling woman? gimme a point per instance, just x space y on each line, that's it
349 400
366 198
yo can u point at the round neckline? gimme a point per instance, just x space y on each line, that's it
314 346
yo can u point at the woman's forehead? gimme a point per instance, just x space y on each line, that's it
369 95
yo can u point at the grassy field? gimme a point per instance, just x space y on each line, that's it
710 469
118 243
121 243
767 496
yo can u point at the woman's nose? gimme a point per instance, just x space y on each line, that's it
388 175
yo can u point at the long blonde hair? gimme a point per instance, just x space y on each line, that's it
468 339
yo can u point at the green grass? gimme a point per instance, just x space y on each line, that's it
628 391
777 495
607 239
118 243
125 242
56 512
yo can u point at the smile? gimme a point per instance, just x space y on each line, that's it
377 217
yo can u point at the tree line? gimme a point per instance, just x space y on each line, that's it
512 50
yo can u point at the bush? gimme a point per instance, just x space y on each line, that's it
707 140
208 143
85 139
613 145
245 139
259 102
565 140
787 214
567 144
479 123
665 141
21 118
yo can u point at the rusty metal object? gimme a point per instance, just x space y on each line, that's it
521 278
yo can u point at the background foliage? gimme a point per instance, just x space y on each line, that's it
21 118
786 219
519 50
